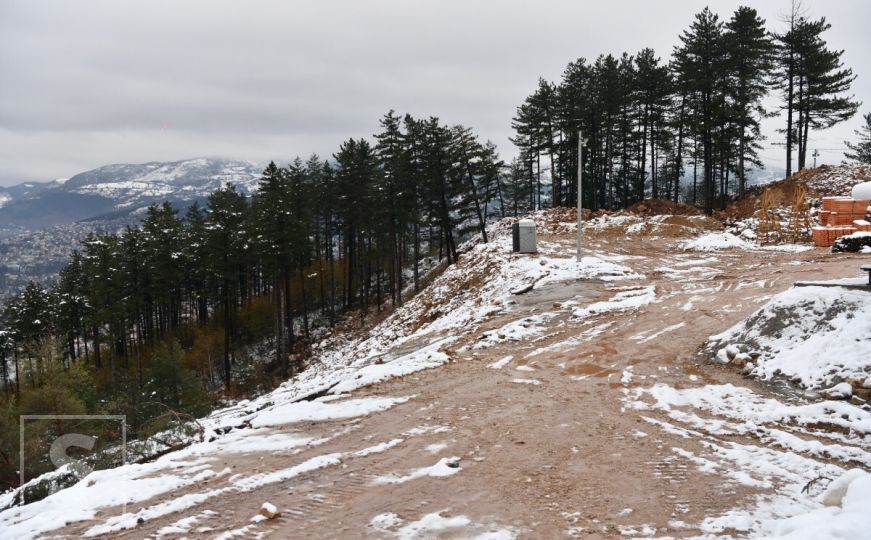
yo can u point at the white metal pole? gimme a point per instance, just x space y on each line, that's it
580 196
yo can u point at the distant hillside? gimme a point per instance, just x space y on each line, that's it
116 190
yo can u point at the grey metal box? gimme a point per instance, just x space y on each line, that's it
523 236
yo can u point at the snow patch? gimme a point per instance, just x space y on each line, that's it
445 467
533 382
318 410
715 242
501 363
631 298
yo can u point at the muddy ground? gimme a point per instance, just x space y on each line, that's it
560 457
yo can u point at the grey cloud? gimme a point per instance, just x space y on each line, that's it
87 83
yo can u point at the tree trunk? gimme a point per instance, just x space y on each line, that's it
481 223
227 333
802 106
416 257
678 165
789 107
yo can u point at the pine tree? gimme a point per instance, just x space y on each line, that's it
700 62
825 102
395 187
574 104
225 244
103 296
516 189
467 161
653 86
196 237
299 208
419 192
162 237
861 150
357 169
814 81
71 303
32 325
749 52
544 103
134 281
525 123
490 169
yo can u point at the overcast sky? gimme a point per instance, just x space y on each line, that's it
88 83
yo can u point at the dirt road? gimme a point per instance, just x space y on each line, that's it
554 442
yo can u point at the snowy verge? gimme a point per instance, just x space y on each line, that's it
785 452
844 513
815 336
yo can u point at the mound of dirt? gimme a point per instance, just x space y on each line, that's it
654 207
661 226
560 220
687 222
823 181
812 336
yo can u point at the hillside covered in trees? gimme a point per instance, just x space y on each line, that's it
227 296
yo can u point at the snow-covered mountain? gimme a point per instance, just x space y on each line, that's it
115 190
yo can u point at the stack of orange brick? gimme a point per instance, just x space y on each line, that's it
839 217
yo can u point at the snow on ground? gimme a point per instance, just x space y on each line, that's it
318 410
839 179
787 248
693 273
645 338
715 242
547 270
518 330
625 299
425 358
627 224
793 451
586 335
130 484
444 467
727 240
501 363
533 382
815 336
485 283
435 448
134 483
844 513
409 340
435 525
184 525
